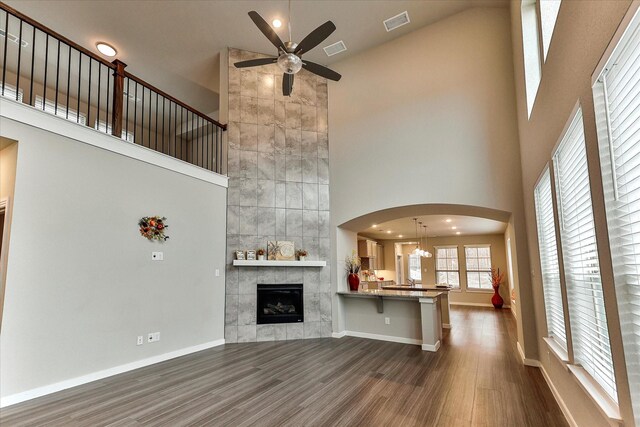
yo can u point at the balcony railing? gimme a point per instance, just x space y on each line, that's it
46 70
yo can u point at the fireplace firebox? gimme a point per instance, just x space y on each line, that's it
280 304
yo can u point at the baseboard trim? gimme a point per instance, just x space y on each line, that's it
430 347
475 304
94 376
338 334
556 395
446 325
379 337
527 362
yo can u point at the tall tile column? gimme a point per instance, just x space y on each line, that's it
278 167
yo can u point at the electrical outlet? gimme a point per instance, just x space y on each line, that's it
387 321
157 256
140 340
156 336
150 338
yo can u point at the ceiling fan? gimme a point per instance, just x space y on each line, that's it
289 57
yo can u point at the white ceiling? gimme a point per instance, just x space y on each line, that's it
437 225
175 45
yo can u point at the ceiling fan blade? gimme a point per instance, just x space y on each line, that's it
255 62
315 37
320 70
287 84
267 30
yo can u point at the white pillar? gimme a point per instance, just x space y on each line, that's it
431 322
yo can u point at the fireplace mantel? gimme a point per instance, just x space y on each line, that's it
272 263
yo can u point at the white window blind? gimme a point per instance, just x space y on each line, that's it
414 267
478 262
447 268
549 260
581 265
617 102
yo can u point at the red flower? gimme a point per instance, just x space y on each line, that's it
160 226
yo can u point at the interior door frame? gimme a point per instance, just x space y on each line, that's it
5 205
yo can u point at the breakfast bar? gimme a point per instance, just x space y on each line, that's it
410 315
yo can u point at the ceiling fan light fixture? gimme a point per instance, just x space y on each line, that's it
106 49
289 63
276 23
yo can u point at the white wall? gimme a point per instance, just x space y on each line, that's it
81 285
582 33
430 118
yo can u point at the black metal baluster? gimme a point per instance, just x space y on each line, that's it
68 80
33 62
99 93
193 152
197 140
89 94
155 144
164 101
126 123
79 81
207 147
4 57
150 93
46 66
19 58
55 108
135 116
142 116
106 117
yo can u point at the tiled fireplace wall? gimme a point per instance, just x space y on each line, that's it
278 167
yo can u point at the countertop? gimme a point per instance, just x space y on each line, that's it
391 293
417 288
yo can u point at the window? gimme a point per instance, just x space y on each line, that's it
549 260
478 260
548 14
414 267
531 51
60 111
447 268
589 331
106 128
617 104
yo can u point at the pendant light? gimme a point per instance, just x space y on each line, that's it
425 252
417 250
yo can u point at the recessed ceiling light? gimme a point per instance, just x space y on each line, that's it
448 220
106 49
277 23
400 235
457 232
374 225
389 232
454 227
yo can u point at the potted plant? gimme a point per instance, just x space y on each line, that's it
260 253
352 264
302 254
496 281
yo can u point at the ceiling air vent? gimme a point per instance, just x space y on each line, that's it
335 48
396 21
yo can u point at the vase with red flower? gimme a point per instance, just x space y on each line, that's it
496 281
352 264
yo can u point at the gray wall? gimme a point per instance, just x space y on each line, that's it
278 190
582 33
429 118
81 285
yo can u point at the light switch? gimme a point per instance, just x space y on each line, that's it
157 256
217 272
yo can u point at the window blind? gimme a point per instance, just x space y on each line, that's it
581 265
617 98
549 260
478 263
447 268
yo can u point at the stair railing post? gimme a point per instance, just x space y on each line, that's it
118 98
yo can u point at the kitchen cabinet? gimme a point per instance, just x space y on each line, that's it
367 248
379 257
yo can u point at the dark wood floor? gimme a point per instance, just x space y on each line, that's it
476 379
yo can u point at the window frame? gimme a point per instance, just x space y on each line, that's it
457 271
468 270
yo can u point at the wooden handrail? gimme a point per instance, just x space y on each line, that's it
52 33
111 65
180 103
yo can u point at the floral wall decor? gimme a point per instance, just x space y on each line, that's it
153 228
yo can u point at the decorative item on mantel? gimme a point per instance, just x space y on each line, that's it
496 281
280 250
251 255
302 255
260 253
153 227
240 255
353 263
